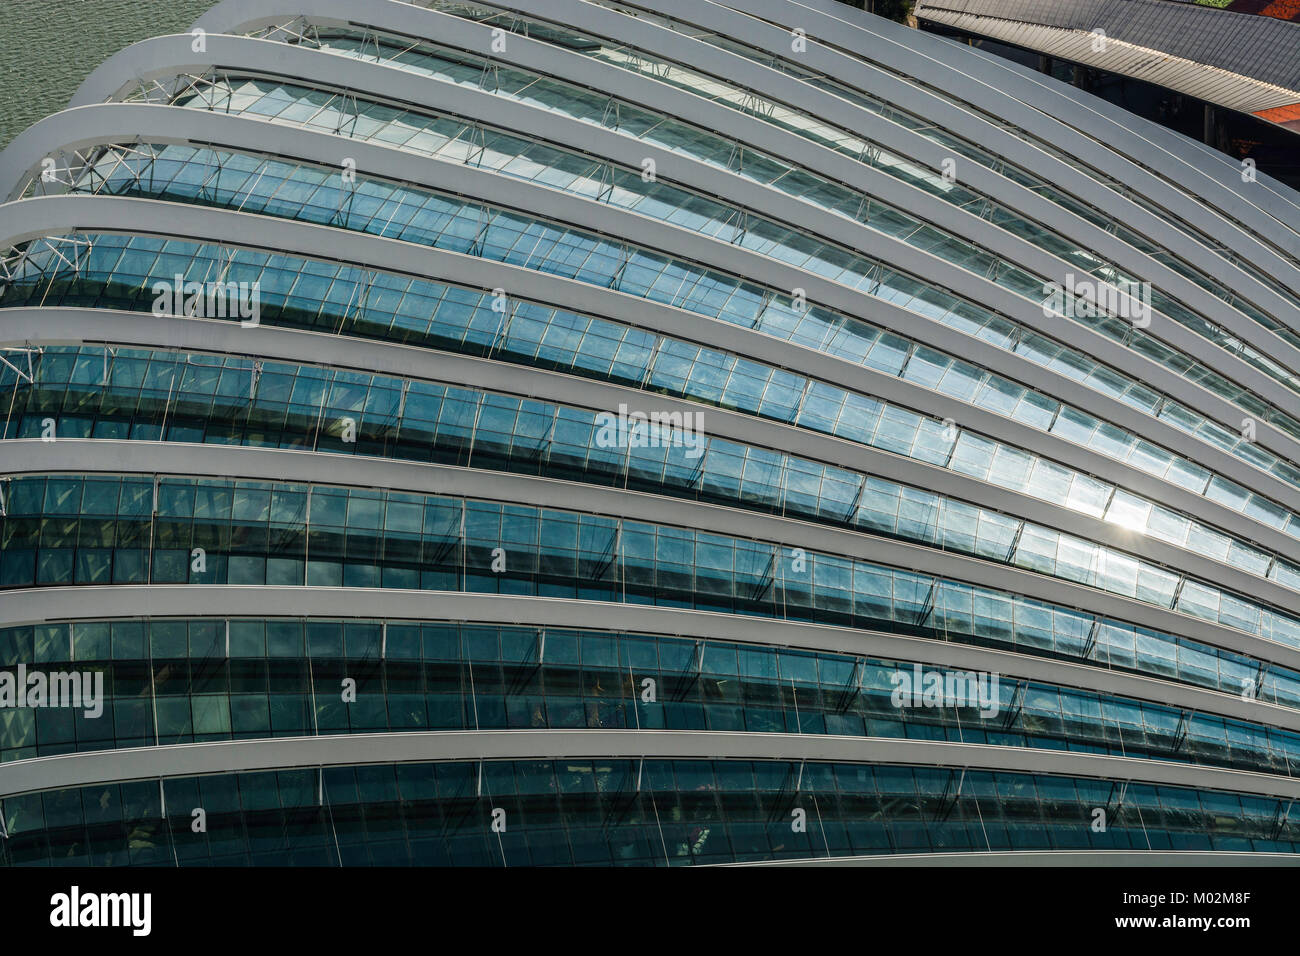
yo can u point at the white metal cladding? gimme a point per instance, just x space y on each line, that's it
1000 109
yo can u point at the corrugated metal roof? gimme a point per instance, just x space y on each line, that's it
1245 63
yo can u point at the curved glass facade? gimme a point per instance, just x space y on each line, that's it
200 398
477 508
203 679
802 124
75 531
276 188
118 270
615 812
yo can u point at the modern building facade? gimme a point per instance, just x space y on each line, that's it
565 432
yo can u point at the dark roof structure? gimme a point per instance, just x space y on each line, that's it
1247 63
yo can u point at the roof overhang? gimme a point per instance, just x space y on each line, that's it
1275 104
